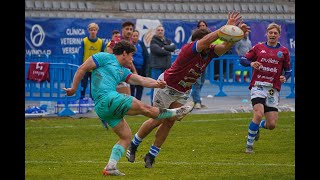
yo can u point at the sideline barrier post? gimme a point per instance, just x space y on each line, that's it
221 93
66 111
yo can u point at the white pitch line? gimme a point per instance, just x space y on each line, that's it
213 120
183 121
186 121
167 162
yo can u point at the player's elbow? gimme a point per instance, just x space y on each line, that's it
244 61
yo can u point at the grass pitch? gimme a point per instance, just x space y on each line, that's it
201 146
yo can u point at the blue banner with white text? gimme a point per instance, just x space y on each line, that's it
63 36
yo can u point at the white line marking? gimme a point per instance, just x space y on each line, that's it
167 162
131 123
190 121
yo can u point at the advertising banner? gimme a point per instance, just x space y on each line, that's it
63 36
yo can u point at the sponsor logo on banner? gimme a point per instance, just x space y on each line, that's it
37 38
179 34
147 27
39 66
37 35
292 43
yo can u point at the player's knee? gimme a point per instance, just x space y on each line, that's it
127 139
258 114
155 123
146 109
169 123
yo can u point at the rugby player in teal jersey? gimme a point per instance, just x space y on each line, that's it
111 107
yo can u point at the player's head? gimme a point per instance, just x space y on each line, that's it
199 34
135 36
93 29
124 51
116 35
273 33
202 24
127 29
160 31
93 25
274 25
122 46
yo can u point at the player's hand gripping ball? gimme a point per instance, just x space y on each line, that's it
230 33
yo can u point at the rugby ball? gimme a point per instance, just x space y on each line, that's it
230 33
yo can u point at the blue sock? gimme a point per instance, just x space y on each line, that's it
252 132
262 124
136 140
154 151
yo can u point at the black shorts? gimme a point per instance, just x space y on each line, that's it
259 100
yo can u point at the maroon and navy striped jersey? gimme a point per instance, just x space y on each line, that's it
273 59
188 67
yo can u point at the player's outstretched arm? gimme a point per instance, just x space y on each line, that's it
136 79
86 66
233 19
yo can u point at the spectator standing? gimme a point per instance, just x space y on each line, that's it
140 59
116 37
160 54
89 46
242 47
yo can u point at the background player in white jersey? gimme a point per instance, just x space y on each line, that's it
111 106
191 62
269 60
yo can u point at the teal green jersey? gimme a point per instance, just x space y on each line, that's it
107 74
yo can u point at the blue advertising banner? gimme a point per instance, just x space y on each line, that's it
63 36
291 40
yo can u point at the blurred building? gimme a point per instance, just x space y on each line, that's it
161 9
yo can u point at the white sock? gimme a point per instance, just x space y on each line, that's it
112 164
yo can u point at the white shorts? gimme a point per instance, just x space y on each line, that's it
123 84
163 98
271 95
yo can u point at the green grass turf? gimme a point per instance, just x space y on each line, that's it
201 146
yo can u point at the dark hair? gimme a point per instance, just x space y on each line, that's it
198 25
127 23
199 34
136 31
115 32
123 46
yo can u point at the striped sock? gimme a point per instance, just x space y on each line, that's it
166 113
154 151
136 140
252 132
262 124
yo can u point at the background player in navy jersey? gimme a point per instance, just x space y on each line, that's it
191 62
268 59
